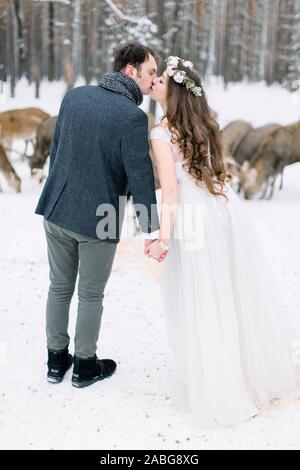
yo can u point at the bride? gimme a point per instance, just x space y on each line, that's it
232 342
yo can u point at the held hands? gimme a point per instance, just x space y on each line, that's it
153 250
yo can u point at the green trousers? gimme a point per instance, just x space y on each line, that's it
70 254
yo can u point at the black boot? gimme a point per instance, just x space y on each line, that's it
91 370
59 362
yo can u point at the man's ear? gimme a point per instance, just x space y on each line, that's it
129 70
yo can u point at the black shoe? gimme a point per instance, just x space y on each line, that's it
91 370
58 363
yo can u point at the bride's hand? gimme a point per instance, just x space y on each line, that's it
154 251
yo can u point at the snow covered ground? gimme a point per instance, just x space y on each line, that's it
134 409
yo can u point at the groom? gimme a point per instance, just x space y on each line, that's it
100 146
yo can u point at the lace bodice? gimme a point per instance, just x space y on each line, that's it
163 133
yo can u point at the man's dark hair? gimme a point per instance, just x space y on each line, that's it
132 53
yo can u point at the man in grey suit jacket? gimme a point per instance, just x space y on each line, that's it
100 147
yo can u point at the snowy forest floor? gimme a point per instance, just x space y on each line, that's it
134 409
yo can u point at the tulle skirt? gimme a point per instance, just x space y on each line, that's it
231 337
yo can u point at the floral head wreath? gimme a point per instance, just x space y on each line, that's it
180 76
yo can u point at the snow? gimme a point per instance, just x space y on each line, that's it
134 409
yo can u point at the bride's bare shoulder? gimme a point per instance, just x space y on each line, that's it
163 125
160 132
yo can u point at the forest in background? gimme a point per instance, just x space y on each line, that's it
66 39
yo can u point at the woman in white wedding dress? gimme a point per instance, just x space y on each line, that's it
231 337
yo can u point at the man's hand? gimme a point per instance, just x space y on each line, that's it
147 245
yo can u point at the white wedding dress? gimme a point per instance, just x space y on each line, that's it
231 337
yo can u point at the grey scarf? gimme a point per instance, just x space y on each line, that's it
118 82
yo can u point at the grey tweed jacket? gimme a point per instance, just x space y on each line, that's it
100 149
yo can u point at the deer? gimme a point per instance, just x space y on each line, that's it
250 143
44 137
249 146
233 134
281 148
241 142
8 171
20 124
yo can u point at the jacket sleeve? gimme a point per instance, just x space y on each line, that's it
139 171
56 135
54 144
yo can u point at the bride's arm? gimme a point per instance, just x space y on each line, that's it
166 170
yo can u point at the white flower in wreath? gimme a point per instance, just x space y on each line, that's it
179 76
188 64
170 71
173 61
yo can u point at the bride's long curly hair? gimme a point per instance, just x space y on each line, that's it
192 126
